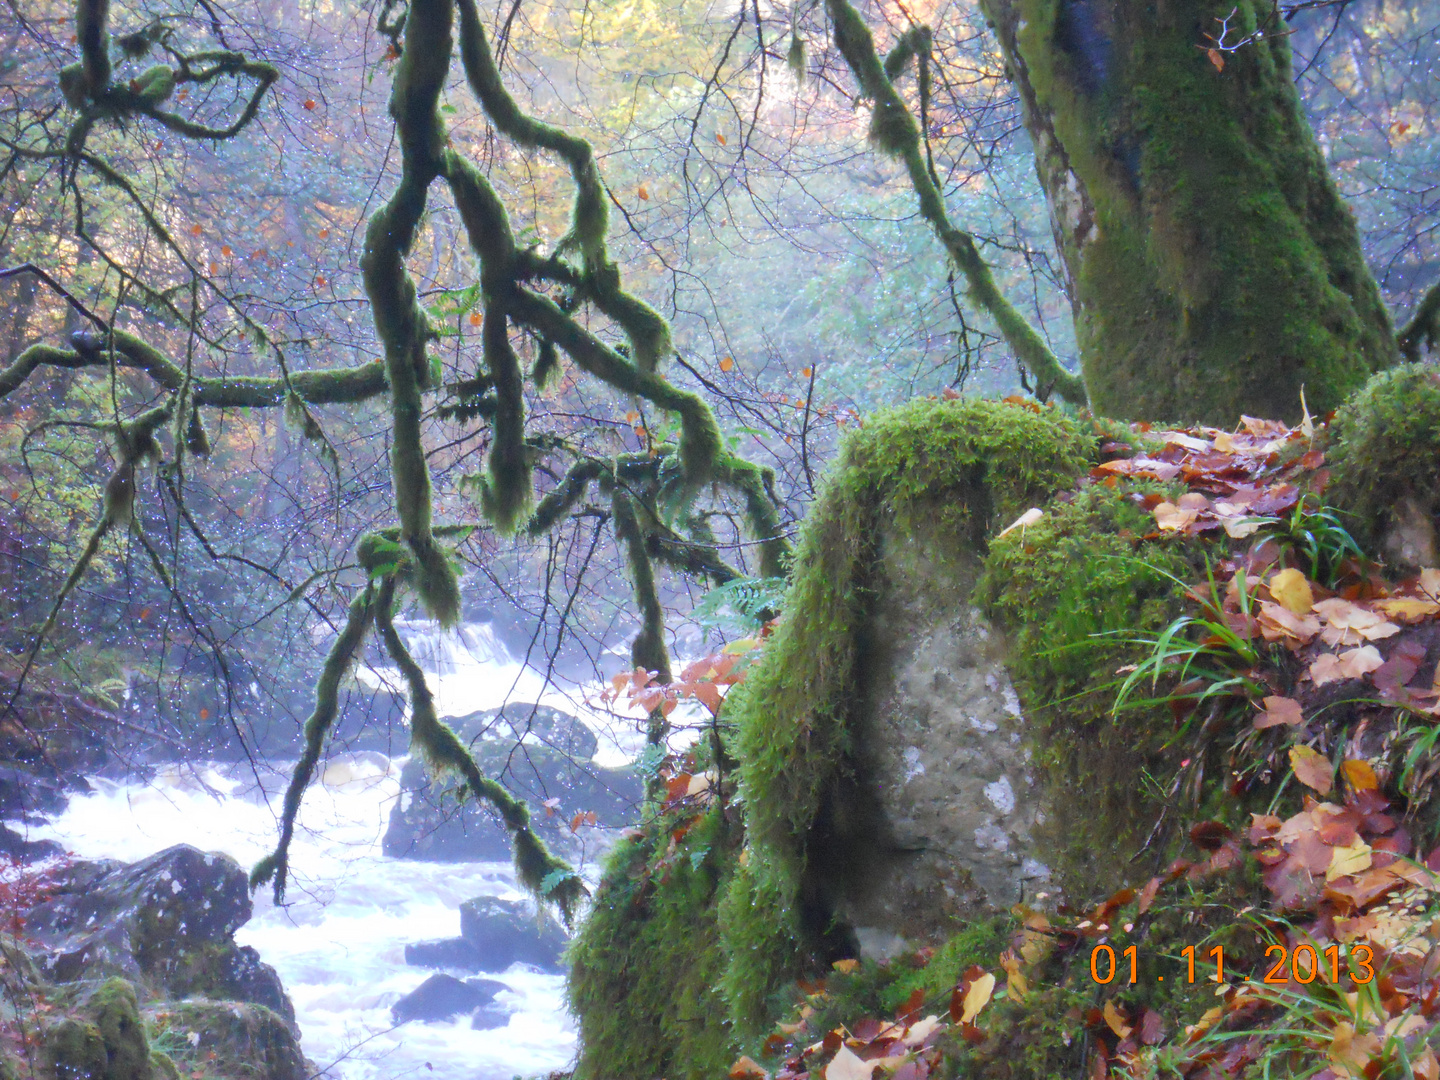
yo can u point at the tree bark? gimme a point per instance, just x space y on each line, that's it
1213 268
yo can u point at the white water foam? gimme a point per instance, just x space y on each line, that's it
338 943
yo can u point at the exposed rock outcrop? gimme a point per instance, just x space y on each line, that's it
167 921
93 989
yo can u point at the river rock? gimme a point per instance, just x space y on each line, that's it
168 921
441 997
494 934
429 822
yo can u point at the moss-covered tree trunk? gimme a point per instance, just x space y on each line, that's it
1213 267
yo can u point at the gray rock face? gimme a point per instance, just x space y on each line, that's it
494 934
430 823
941 759
441 997
167 921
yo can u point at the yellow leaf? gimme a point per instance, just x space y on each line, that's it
739 648
1016 985
1171 518
1292 592
1408 610
1115 1021
1312 769
1430 582
1359 774
977 997
845 967
1348 860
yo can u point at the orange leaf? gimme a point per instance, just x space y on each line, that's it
204 714
1360 775
805 372
475 319
720 138
225 250
643 192
726 363
1216 59
195 230
214 268
1312 769
319 281
323 233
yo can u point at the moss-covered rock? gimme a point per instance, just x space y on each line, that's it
670 929
1075 591
103 1038
1384 455
235 1040
646 966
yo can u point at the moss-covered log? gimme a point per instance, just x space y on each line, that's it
1213 267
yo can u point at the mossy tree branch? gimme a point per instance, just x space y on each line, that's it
894 131
1423 330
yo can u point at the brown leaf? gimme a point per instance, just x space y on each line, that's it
1312 769
1350 664
1215 58
747 1069
1280 711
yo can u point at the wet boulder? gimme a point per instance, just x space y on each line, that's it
443 997
227 1038
494 934
167 921
539 754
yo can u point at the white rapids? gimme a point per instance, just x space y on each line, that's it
338 942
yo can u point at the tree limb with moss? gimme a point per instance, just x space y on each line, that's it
895 132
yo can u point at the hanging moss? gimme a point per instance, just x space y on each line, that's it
338 662
894 131
1383 450
539 870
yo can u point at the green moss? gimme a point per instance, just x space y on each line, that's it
645 966
1384 452
116 1014
1216 268
983 464
1068 591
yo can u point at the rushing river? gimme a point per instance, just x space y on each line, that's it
338 942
